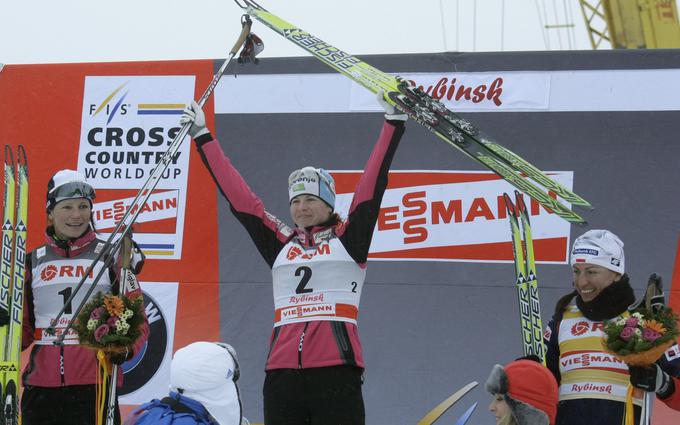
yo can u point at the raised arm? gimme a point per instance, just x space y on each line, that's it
267 232
365 207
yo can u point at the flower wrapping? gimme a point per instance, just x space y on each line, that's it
639 340
111 323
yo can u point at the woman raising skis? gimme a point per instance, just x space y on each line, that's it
315 364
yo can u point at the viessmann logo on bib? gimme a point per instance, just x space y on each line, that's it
128 123
307 310
454 216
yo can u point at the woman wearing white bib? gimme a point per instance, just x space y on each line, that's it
315 363
59 380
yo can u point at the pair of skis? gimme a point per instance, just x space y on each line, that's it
432 114
12 277
525 273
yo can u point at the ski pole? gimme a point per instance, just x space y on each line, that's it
112 243
646 409
125 274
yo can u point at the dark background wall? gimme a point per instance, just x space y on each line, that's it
428 328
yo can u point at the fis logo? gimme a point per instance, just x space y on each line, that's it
114 105
105 105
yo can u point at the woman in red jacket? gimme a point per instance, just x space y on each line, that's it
59 380
315 363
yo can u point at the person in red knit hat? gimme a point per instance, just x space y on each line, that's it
525 393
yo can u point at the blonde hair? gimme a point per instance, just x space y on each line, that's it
508 419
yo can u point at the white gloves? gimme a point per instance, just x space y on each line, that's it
194 114
391 113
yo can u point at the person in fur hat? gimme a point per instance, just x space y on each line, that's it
524 393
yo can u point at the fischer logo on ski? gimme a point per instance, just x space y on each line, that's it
12 270
525 277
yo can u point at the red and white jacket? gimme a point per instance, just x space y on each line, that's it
52 271
317 328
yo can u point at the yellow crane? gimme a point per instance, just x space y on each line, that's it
632 24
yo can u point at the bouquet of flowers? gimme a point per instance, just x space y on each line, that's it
641 338
110 322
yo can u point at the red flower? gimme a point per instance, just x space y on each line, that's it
101 332
627 333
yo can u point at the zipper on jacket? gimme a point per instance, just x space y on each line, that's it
302 340
61 364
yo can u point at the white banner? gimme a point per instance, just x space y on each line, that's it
128 123
501 91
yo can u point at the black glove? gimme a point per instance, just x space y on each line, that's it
120 358
652 379
4 317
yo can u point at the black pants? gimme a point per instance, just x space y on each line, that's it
71 405
317 396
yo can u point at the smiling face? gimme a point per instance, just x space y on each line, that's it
308 210
71 218
499 407
590 280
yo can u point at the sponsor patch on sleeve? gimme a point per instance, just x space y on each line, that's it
673 353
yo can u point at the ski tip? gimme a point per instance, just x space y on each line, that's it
9 157
21 155
442 407
465 416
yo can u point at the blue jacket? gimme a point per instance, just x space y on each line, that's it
172 410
